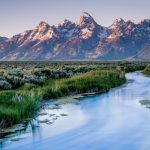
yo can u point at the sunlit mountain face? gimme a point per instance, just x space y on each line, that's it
84 39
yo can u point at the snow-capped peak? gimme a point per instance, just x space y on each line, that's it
43 26
119 20
85 18
117 23
82 40
64 22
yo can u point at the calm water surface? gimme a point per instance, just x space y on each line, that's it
110 121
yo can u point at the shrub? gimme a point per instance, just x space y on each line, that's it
4 85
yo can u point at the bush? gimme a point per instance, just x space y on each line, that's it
4 85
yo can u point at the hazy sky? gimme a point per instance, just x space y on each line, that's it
19 15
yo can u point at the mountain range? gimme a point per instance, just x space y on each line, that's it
84 39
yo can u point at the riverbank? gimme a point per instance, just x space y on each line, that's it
145 103
16 105
146 71
104 118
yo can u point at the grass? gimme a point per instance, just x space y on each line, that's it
93 81
16 105
30 82
147 70
13 75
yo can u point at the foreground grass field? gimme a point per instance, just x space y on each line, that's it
17 105
29 83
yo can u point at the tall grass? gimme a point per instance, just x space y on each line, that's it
94 81
147 70
16 105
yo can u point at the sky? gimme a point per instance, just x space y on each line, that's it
16 16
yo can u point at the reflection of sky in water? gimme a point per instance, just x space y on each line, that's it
68 114
113 120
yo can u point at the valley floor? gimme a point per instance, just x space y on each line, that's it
23 102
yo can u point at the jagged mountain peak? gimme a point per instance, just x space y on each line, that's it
119 20
129 24
117 23
42 26
145 21
85 19
85 14
43 23
64 23
81 40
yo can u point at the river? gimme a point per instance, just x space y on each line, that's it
110 121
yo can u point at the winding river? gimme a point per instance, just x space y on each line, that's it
109 121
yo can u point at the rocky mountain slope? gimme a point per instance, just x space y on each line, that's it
85 39
2 39
143 53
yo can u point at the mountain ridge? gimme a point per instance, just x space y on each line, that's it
84 39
